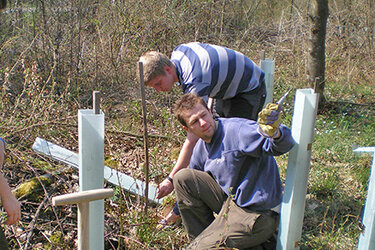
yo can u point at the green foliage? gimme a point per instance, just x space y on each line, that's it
32 188
57 240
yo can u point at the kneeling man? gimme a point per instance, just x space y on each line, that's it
233 174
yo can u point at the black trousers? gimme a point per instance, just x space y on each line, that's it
246 105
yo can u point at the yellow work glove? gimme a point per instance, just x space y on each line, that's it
269 120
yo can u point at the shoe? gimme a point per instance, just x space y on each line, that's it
168 220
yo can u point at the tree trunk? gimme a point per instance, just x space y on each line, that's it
316 56
3 4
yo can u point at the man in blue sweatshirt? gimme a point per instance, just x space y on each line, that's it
232 173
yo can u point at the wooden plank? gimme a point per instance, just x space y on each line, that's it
113 176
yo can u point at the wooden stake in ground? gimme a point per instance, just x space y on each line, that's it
145 135
82 199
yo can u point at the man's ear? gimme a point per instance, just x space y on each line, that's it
185 128
167 69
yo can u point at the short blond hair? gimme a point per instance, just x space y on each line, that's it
153 65
187 102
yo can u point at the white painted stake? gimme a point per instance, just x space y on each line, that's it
268 66
293 204
91 169
367 237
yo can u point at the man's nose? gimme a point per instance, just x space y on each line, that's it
202 122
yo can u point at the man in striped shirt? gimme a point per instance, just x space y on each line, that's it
234 81
228 76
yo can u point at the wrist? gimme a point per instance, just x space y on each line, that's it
277 134
170 179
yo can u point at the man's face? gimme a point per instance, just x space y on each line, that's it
200 122
163 82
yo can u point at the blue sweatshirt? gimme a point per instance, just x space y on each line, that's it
242 163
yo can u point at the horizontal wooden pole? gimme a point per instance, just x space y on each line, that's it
84 196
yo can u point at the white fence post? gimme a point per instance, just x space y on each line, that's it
293 204
367 237
91 169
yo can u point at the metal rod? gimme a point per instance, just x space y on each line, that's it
268 66
96 102
262 55
145 135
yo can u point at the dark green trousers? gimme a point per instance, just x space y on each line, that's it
199 198
3 240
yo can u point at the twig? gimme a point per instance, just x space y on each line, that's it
41 124
47 196
23 52
29 235
128 238
15 236
138 135
45 236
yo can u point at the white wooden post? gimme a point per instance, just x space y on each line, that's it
83 199
293 204
367 237
268 66
91 168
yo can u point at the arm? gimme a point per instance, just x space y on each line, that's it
166 186
9 202
281 143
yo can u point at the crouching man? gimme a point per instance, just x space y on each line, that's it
233 174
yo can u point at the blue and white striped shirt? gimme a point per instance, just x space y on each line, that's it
215 71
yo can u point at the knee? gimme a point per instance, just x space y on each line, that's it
265 225
182 177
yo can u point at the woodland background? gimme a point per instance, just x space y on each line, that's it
53 54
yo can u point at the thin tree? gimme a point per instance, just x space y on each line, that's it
3 4
316 55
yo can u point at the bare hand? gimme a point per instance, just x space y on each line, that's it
12 208
164 188
191 137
